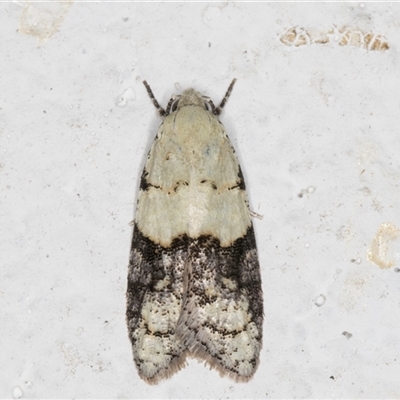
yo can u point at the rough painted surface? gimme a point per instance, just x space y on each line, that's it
316 128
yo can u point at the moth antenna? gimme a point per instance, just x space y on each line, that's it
160 110
218 110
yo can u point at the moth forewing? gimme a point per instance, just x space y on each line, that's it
194 282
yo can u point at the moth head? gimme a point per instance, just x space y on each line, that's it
190 98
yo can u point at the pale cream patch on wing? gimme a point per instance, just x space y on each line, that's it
224 328
156 339
193 170
162 216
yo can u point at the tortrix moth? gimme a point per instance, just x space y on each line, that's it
194 282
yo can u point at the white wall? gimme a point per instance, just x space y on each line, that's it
316 127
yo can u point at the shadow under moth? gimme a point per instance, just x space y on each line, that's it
194 282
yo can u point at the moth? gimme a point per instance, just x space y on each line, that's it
194 282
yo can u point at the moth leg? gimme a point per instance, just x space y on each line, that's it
170 104
211 104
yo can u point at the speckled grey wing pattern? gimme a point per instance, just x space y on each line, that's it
154 301
222 311
195 298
